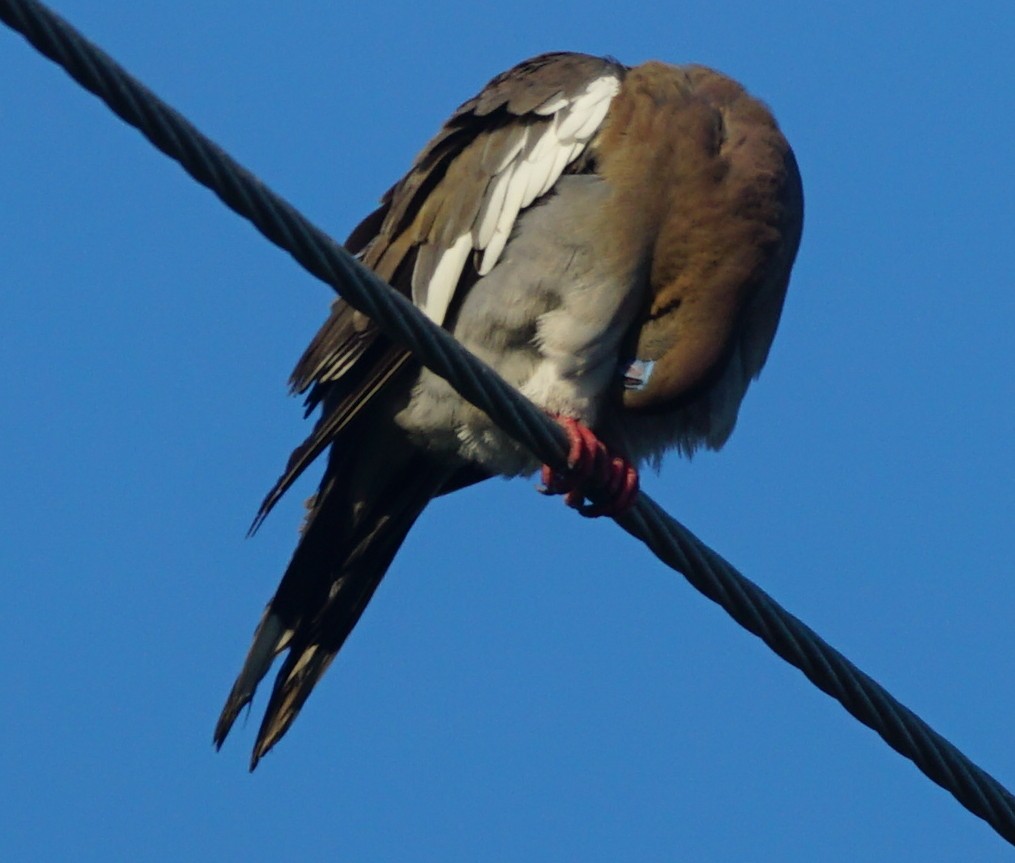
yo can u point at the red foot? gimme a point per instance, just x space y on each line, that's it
591 466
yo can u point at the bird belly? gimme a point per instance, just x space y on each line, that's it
549 318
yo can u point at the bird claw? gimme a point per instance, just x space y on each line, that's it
590 465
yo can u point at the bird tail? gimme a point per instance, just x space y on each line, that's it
368 500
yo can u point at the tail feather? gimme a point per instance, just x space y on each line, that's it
312 650
270 638
369 499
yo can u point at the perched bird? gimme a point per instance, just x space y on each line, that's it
616 242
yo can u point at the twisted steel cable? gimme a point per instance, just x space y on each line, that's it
676 546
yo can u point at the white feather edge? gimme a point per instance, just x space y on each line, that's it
513 152
445 278
271 638
528 171
552 105
493 204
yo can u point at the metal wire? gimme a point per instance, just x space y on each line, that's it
707 572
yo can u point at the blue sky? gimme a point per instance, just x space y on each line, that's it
526 685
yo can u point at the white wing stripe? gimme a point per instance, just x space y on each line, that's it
512 153
512 204
497 243
527 170
561 159
445 279
492 207
540 143
600 90
542 173
595 117
552 105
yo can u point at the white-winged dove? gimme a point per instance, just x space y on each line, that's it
615 241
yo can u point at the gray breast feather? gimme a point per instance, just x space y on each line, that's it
549 318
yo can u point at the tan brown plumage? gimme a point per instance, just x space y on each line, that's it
615 242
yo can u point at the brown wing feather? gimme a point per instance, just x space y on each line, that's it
356 559
332 423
